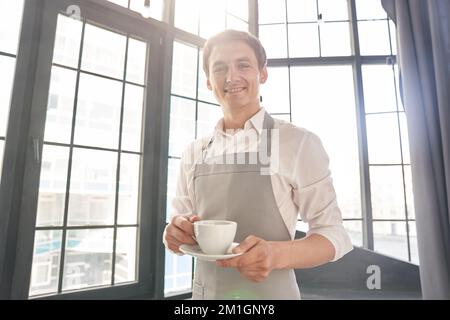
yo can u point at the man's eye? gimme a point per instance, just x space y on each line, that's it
219 69
244 65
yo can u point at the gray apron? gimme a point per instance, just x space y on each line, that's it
239 192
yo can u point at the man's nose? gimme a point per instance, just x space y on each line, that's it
231 74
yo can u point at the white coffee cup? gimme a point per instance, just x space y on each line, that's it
215 236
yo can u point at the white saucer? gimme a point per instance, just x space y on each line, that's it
195 251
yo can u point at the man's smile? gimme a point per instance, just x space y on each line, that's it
234 90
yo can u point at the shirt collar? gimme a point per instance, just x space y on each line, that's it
256 122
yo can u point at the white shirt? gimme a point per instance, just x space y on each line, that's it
301 182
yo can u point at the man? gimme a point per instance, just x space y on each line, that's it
265 206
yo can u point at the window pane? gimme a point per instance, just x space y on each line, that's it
7 66
125 269
105 57
383 138
187 22
178 273
238 8
98 112
413 242
172 176
212 17
52 186
333 10
379 88
370 9
92 187
303 40
302 11
132 118
405 139
129 188
374 38
275 92
10 25
354 230
236 24
332 117
67 41
137 51
203 92
208 116
273 38
409 193
88 260
390 239
184 70
58 123
392 32
335 39
386 187
182 125
271 11
301 226
45 267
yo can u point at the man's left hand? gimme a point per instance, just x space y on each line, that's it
257 261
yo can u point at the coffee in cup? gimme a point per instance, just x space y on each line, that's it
215 236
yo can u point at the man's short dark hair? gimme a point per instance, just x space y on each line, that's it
234 35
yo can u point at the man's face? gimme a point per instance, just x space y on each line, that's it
234 75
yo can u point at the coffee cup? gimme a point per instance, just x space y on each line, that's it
215 236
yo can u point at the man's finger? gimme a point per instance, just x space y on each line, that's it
181 235
194 218
184 224
247 244
247 259
173 244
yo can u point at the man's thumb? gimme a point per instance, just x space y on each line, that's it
194 218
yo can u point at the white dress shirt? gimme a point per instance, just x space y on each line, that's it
301 181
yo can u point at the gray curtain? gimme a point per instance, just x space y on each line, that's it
423 39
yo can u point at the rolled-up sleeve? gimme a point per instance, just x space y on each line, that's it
315 196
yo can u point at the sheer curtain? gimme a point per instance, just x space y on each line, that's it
423 36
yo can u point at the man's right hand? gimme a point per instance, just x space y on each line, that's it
180 231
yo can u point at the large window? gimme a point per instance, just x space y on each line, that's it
10 23
314 45
87 217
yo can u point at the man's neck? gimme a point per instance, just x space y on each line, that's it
235 119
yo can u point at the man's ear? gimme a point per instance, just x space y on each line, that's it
208 84
263 75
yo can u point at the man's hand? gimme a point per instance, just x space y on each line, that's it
180 231
257 261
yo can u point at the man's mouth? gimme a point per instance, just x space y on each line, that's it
234 90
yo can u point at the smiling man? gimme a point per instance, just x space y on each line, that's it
265 206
